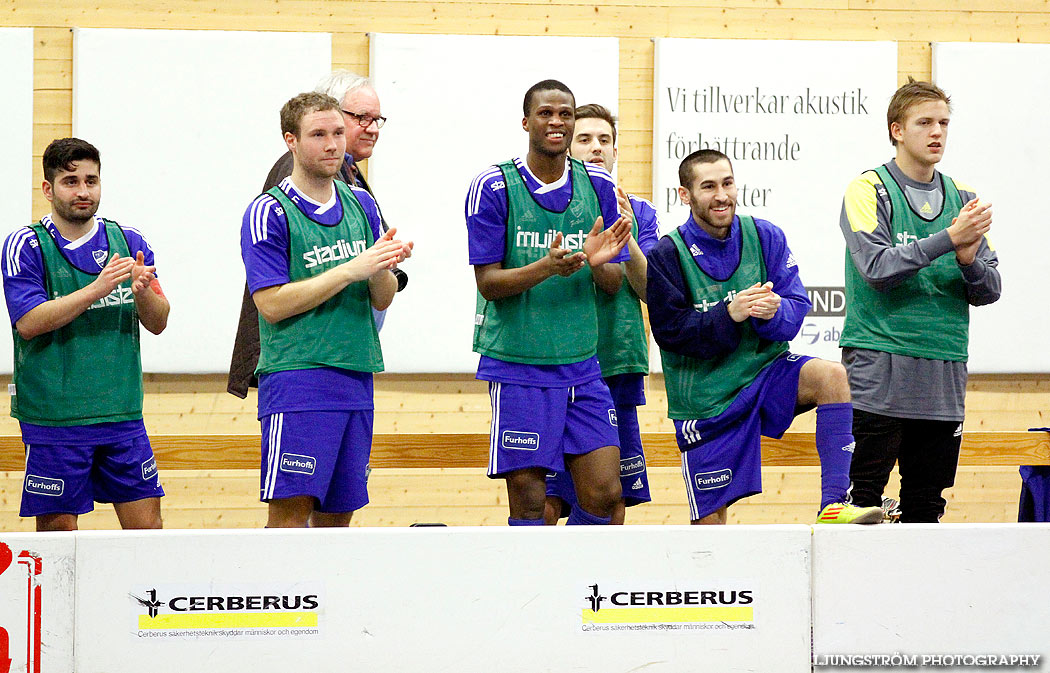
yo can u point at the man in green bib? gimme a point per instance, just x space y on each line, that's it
917 258
317 262
623 352
77 288
725 298
535 239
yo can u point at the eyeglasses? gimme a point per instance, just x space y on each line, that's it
365 120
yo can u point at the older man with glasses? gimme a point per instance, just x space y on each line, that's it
363 117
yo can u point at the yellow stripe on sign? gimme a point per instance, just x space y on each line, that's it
668 615
235 620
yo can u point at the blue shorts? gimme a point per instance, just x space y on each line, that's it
1035 494
323 454
634 480
536 427
69 479
722 456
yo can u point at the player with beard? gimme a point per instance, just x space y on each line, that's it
725 299
317 262
535 238
77 288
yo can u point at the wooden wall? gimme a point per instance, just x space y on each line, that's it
416 404
913 24
199 404
462 497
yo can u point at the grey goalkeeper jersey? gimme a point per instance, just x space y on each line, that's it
899 385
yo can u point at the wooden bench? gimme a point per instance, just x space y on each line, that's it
240 452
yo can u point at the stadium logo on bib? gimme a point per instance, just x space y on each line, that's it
706 481
120 295
337 252
704 305
44 485
905 238
291 462
526 441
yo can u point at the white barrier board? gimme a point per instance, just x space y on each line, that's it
614 600
799 120
187 123
437 141
36 602
986 81
16 161
931 590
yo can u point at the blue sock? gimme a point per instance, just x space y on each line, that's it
835 448
524 522
581 517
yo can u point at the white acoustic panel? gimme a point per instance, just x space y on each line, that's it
455 108
996 144
799 120
16 161
188 126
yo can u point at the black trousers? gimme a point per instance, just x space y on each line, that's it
927 452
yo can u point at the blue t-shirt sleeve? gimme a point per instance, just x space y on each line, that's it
486 215
782 271
648 223
610 207
264 243
24 287
137 243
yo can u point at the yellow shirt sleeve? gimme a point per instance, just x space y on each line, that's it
859 203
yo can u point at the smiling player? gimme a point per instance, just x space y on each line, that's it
535 237
725 299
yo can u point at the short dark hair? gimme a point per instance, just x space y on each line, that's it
685 169
545 85
295 109
912 93
62 153
595 111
